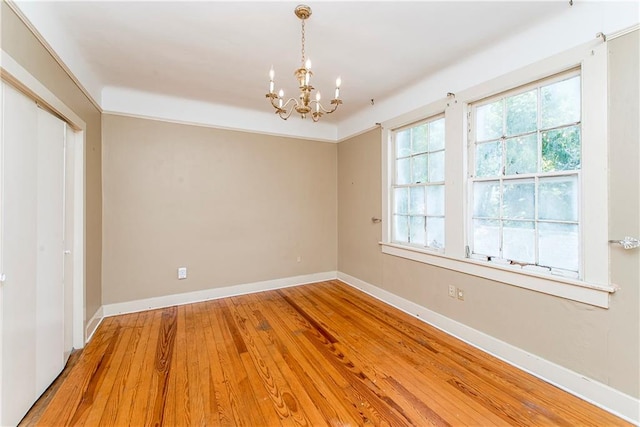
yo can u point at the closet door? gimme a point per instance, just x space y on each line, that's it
50 250
31 253
19 240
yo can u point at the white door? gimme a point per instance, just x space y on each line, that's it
50 250
31 253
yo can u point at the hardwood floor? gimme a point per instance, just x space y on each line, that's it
319 354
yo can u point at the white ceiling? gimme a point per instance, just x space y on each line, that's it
220 52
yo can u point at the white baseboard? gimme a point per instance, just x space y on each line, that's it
93 324
213 293
592 391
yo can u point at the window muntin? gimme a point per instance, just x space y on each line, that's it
526 159
417 190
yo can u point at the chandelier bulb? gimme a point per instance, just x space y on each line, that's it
307 64
338 82
271 73
318 96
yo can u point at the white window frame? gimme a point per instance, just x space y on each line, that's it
394 184
594 287
535 177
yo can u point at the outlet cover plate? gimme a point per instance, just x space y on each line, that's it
452 291
182 273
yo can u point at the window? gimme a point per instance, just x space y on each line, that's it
524 179
525 163
418 184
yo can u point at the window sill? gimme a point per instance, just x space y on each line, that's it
575 290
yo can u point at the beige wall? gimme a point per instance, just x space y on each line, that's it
599 343
23 46
233 207
359 199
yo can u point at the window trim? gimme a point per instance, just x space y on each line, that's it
594 288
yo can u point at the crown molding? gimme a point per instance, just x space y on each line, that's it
134 103
27 22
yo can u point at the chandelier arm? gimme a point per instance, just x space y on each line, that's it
273 98
285 105
284 114
335 106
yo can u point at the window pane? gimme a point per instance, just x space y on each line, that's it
561 149
403 171
435 200
518 242
518 199
560 103
435 232
486 237
522 113
486 199
436 167
400 200
419 134
489 159
489 121
558 245
522 155
400 228
419 169
416 201
403 143
417 230
558 198
436 135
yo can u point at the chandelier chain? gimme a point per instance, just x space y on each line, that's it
303 39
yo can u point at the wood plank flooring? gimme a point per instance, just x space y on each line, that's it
312 355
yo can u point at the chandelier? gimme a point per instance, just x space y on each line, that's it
303 105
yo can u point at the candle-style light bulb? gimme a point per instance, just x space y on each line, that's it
271 74
307 64
338 83
280 96
318 101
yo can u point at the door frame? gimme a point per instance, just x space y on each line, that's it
13 73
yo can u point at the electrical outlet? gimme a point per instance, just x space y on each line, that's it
182 272
460 294
452 291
